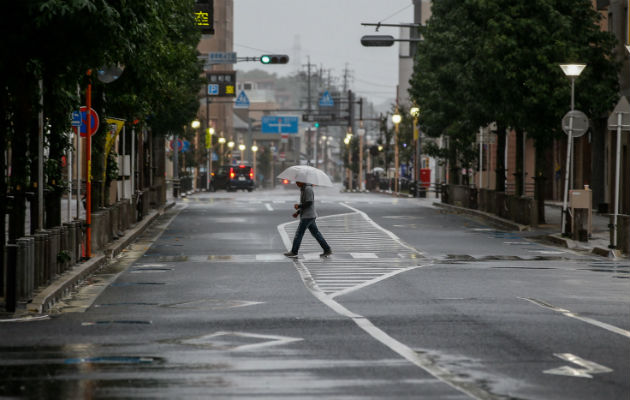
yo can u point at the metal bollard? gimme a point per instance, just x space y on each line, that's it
10 301
21 277
79 240
41 258
30 264
54 251
70 243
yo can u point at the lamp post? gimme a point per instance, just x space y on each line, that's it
195 125
347 141
241 147
396 118
254 150
221 142
209 148
230 146
572 71
415 113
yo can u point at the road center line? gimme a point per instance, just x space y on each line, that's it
418 359
268 206
570 314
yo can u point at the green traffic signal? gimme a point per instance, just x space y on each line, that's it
316 124
274 59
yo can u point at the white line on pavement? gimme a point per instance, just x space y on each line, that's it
570 314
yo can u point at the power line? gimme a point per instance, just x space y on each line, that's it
397 12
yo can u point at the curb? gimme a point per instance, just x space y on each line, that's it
498 221
61 286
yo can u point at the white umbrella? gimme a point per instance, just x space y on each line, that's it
377 170
306 174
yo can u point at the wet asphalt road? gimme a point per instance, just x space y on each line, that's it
415 303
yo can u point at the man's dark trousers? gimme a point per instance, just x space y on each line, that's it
312 227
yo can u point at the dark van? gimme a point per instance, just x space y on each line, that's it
234 177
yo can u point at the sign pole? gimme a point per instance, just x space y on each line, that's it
79 172
88 162
613 245
69 163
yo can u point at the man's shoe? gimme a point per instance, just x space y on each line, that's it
291 254
327 253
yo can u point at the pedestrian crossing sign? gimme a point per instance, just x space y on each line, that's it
242 101
326 100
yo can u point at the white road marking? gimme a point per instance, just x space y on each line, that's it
588 367
337 283
363 255
269 340
420 360
570 314
268 206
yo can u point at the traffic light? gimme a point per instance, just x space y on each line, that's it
274 59
316 124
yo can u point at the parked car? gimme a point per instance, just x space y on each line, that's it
234 177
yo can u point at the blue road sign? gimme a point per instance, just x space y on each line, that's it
326 100
213 89
242 101
76 118
276 124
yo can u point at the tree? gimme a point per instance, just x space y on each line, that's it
491 60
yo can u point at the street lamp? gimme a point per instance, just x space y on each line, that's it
347 141
230 146
254 150
209 161
195 125
221 142
572 71
241 147
396 118
415 113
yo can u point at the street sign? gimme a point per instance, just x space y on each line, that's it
317 117
242 101
221 83
580 123
94 123
180 144
623 108
326 100
76 118
222 58
276 124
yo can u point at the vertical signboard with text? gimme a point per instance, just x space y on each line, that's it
204 16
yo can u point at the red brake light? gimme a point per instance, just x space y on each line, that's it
251 174
286 181
232 173
241 166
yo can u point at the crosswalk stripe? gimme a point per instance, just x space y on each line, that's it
363 253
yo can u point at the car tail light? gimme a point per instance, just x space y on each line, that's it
241 166
251 174
285 181
232 173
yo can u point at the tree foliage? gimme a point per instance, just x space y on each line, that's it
490 60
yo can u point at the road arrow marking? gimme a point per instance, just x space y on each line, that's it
217 341
588 367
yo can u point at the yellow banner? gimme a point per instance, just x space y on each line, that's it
116 125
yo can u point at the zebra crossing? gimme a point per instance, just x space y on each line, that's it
363 254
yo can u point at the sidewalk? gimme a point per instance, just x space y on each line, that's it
550 231
44 298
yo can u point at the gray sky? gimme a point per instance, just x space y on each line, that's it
329 31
